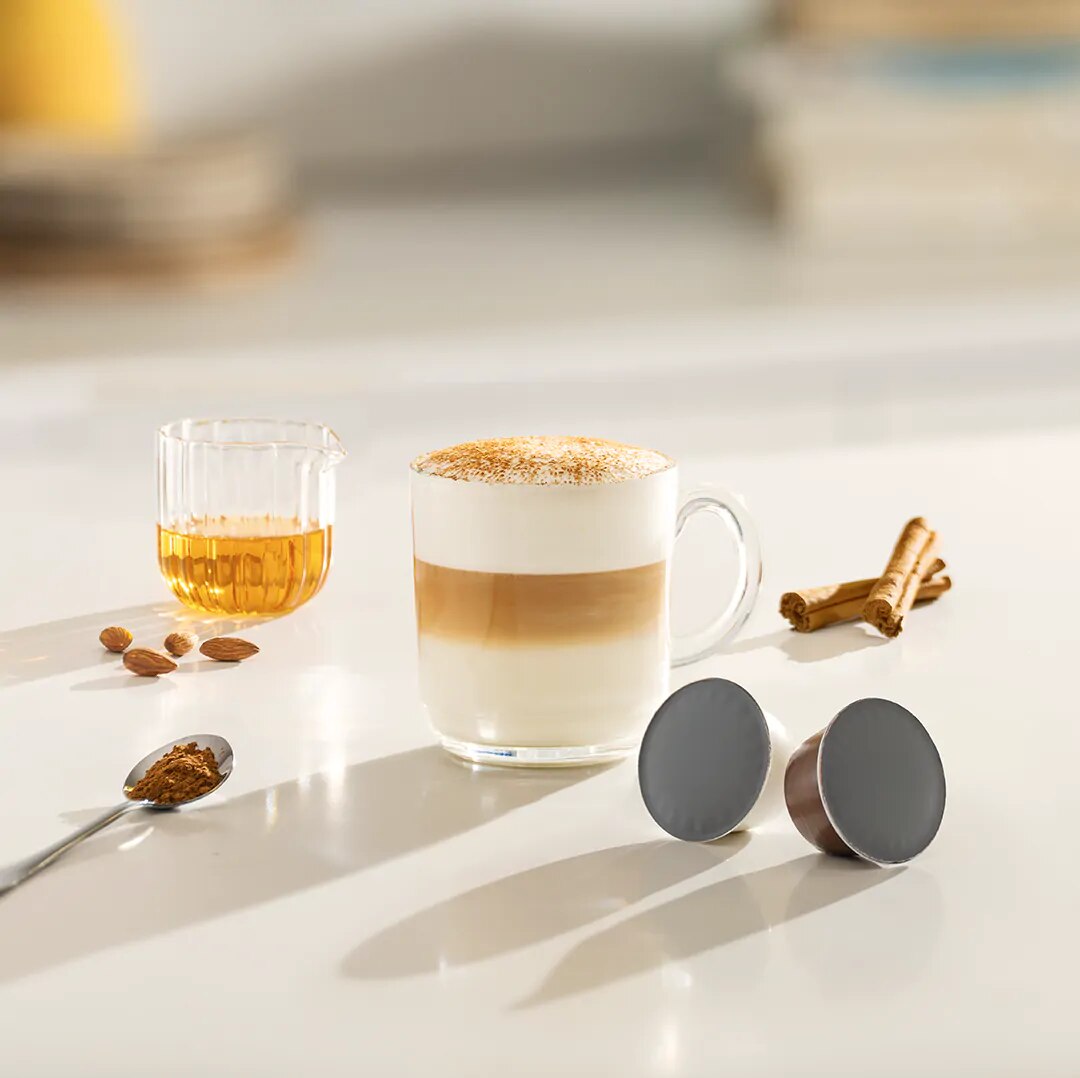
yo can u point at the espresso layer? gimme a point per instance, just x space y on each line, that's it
515 608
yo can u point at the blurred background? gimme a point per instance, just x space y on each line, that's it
786 222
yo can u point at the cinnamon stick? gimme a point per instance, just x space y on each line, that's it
894 594
814 608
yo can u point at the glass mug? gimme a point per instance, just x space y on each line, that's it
541 572
245 512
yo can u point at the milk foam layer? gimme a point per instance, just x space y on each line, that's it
543 460
519 528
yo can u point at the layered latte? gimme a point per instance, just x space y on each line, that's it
541 572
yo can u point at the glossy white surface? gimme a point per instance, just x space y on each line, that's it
357 903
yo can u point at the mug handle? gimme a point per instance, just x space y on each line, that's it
727 506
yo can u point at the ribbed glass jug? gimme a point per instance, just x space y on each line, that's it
246 512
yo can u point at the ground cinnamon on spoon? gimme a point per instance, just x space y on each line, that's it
184 772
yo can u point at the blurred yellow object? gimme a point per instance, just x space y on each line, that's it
63 70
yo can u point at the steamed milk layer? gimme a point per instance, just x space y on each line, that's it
542 606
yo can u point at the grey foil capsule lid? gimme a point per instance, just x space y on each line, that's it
704 760
871 784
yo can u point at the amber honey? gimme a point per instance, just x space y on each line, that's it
240 565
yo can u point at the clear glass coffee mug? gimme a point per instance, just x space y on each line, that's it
246 512
542 610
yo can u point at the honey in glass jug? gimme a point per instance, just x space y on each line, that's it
246 512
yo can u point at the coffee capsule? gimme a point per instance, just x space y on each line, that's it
711 762
869 785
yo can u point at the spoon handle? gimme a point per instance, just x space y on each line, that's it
14 874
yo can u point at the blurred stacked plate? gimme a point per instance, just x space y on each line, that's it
196 208
919 122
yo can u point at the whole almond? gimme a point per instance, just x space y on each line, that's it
115 637
148 663
228 649
180 643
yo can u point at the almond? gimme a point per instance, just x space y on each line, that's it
228 649
115 637
148 663
180 643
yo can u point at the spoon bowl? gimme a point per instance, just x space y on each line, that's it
221 749
13 875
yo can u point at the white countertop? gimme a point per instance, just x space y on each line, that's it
354 902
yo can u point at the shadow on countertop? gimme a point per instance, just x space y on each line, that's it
811 647
250 850
708 918
531 906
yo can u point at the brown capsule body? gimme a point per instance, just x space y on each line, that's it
802 792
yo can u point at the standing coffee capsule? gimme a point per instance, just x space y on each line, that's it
869 785
711 762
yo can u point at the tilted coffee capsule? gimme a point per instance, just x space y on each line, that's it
869 785
711 762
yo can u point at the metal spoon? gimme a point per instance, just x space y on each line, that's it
14 874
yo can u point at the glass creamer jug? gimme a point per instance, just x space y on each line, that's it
245 512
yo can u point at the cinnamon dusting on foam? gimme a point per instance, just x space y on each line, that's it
543 461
